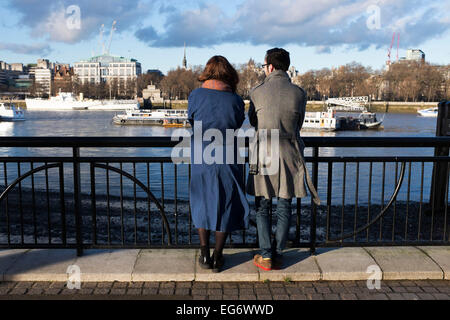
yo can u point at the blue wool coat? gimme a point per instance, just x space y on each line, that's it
217 194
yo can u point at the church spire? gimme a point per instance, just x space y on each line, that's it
184 59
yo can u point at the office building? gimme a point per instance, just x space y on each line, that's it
105 68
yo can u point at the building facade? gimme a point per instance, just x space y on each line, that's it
62 78
415 55
153 94
43 80
105 68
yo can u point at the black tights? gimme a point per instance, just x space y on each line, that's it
220 239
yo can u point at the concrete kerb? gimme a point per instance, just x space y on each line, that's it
41 265
440 256
405 263
8 259
161 265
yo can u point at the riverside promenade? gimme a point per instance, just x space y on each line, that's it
410 273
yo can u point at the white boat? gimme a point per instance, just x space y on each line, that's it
364 120
158 117
11 113
66 101
63 101
430 112
321 121
368 120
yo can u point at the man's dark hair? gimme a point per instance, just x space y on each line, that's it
279 58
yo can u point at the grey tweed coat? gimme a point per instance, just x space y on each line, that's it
279 104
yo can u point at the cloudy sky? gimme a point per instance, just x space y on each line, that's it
318 33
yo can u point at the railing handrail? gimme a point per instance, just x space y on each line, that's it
167 142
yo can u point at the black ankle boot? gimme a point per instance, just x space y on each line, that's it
217 261
204 259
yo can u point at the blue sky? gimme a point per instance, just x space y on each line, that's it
319 33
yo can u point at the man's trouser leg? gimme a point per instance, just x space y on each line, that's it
263 226
283 216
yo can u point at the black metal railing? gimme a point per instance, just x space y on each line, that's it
103 201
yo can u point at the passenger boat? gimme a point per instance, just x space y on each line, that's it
159 117
331 121
430 112
326 121
67 101
11 113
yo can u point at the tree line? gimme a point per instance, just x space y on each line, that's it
407 81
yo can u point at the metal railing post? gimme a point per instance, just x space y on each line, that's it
77 200
440 170
315 178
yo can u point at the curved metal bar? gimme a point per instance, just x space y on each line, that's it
149 193
382 213
29 173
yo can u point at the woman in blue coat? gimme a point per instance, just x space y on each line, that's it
217 195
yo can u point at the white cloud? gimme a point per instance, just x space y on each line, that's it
37 48
48 18
321 24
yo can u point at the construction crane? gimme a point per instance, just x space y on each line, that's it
388 62
113 28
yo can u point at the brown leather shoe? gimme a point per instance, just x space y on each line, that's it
260 262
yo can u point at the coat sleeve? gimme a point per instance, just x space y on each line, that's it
302 109
191 109
241 115
252 114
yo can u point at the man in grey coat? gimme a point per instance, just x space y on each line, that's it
278 106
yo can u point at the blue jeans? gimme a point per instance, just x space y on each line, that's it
283 213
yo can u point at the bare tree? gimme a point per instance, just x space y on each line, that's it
179 83
250 75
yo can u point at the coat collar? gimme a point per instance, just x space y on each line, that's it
277 74
216 85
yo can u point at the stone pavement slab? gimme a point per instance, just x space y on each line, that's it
41 265
107 265
319 290
165 265
238 267
344 263
298 265
8 258
405 263
441 255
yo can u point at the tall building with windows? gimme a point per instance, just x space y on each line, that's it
4 72
105 68
415 54
43 78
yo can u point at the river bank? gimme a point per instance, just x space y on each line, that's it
375 106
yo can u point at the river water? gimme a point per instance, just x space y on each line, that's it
99 123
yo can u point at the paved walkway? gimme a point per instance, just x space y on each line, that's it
268 290
410 273
331 264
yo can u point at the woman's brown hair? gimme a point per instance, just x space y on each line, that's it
218 68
